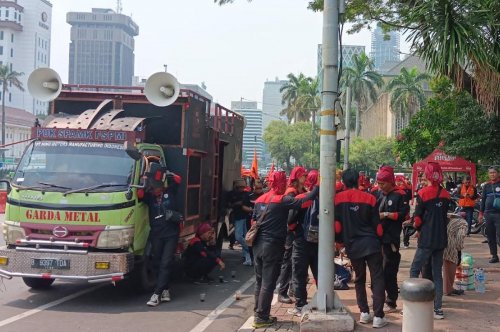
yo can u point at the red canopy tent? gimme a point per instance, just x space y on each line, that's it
448 164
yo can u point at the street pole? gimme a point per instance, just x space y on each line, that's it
347 128
325 295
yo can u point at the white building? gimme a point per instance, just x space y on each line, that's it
18 125
252 134
271 102
25 27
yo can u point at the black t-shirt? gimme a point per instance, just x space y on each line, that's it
239 196
162 220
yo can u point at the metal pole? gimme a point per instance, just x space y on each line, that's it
325 295
347 128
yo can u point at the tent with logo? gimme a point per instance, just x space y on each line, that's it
448 164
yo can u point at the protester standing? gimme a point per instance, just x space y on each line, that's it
490 211
467 200
239 201
271 211
358 226
430 220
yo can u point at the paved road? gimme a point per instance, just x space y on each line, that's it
104 307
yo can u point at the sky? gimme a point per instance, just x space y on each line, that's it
234 48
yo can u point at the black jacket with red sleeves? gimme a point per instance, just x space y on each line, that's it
431 217
274 226
198 249
357 222
396 204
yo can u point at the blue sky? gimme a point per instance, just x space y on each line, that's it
233 48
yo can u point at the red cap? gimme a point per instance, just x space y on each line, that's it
433 173
297 172
279 182
312 179
203 228
386 174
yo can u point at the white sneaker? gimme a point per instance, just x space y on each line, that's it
365 318
389 309
165 296
154 301
379 322
296 311
247 263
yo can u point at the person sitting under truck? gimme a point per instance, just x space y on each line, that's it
199 259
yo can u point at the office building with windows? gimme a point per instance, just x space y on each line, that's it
271 102
25 27
102 47
348 53
385 53
252 134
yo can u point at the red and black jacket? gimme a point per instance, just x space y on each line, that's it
199 250
357 223
430 217
273 227
396 205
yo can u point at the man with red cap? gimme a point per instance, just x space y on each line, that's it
199 260
271 211
295 187
430 220
393 209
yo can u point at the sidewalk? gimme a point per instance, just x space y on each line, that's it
473 311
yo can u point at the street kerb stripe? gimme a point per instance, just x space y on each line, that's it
48 305
220 309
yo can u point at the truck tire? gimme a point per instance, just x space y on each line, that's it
143 277
38 283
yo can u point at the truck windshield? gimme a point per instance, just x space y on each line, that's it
62 166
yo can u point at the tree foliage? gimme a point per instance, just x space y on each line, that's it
456 122
370 154
407 94
286 141
300 95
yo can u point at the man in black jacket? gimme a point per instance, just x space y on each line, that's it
271 209
490 211
431 222
357 223
393 208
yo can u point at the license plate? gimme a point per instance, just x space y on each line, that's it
48 263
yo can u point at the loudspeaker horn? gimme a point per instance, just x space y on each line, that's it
162 89
44 84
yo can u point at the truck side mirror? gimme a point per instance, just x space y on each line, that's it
132 151
5 187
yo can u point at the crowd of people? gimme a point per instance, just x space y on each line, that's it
371 219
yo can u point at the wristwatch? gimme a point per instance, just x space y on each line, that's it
386 214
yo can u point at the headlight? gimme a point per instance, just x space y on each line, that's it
12 233
115 238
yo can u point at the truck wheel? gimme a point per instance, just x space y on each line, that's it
38 283
143 276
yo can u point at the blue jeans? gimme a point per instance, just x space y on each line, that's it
422 256
240 230
469 214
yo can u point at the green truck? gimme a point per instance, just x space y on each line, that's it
74 207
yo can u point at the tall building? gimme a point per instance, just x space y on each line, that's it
385 52
271 102
25 46
348 52
102 47
252 134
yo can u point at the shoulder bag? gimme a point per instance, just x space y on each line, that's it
254 229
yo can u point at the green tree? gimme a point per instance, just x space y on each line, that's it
297 97
407 94
8 78
370 154
364 82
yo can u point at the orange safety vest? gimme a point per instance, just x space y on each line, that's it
467 201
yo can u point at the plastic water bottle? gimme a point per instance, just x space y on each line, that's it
480 280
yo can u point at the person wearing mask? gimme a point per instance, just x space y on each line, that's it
357 224
489 211
239 201
271 211
393 209
163 236
198 259
467 200
295 187
430 220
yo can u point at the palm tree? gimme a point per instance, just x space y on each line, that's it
364 82
291 91
8 77
407 94
308 98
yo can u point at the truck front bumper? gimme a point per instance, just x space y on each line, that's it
79 266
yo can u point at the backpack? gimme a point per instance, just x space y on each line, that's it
311 222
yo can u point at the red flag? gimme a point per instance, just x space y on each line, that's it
254 171
271 171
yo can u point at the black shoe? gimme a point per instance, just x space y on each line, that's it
284 299
485 241
261 323
457 292
494 259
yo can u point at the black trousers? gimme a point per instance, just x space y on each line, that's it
493 231
304 255
200 267
267 262
374 262
392 258
285 276
163 251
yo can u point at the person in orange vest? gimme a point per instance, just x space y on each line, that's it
467 201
